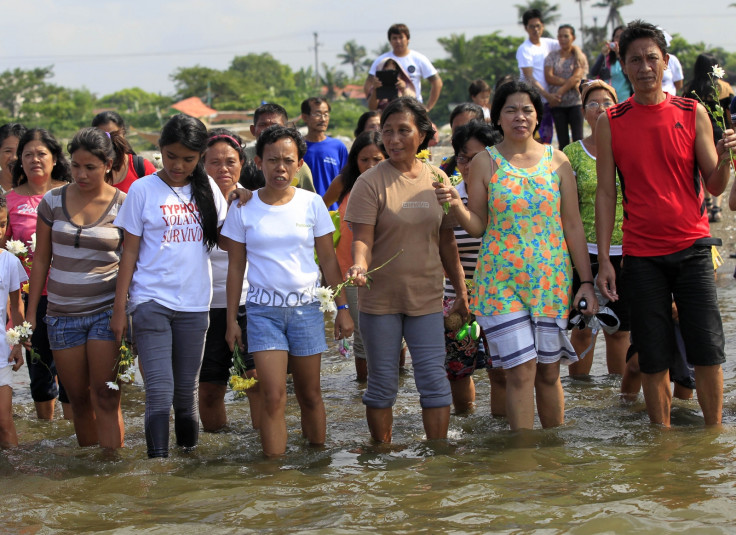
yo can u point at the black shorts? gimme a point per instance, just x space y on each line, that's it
650 284
218 359
620 307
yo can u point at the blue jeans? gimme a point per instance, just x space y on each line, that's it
170 348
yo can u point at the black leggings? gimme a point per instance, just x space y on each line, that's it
565 116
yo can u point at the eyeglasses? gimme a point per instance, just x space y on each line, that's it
319 115
464 160
593 106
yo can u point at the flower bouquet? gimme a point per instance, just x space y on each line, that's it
19 249
124 367
238 382
20 335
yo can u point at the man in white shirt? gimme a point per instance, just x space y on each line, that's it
415 64
530 57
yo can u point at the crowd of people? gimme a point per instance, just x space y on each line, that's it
226 253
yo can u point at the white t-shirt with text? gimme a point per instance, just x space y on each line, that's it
173 267
279 243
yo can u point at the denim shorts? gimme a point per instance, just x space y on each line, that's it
66 332
6 375
298 330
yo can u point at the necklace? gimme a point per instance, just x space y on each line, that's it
188 205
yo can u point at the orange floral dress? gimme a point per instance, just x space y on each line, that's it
523 262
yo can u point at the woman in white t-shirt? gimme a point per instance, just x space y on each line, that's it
223 161
171 222
281 227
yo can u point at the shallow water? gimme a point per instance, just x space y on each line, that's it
605 471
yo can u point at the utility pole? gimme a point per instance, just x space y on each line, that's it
316 59
582 26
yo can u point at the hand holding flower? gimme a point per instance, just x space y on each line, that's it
16 356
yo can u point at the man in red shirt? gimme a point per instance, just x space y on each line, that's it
654 141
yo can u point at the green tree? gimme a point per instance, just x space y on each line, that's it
483 56
382 49
333 80
353 55
60 110
613 17
595 36
550 13
18 86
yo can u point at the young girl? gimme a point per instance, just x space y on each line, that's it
76 239
367 151
281 226
170 221
12 275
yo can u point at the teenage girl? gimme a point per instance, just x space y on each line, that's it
170 222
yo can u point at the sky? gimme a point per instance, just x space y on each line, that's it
107 45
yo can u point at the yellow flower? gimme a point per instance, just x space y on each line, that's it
25 288
240 384
423 155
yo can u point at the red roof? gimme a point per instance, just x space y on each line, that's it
194 107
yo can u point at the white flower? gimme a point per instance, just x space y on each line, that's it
718 72
326 300
112 386
12 337
16 247
24 330
32 242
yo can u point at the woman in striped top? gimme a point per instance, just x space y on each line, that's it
78 248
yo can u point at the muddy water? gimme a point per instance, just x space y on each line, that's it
605 471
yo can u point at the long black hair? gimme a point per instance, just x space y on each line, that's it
61 170
701 82
104 117
192 134
351 171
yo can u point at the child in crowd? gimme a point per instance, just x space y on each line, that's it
480 94
12 275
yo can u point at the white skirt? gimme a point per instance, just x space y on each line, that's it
517 337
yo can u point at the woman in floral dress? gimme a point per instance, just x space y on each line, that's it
522 199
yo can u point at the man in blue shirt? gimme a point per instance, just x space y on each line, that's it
326 156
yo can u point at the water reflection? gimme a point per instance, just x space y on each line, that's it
605 470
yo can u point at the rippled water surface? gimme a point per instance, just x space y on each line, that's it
605 471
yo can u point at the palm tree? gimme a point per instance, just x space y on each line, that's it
332 79
385 47
353 55
550 13
614 17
